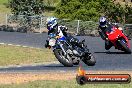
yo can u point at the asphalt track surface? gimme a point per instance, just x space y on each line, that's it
113 60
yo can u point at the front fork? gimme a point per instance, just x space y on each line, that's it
61 46
63 49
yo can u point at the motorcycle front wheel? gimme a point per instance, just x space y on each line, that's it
67 62
124 45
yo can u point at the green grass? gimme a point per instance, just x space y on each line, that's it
3 1
3 8
3 11
51 2
13 55
50 13
63 84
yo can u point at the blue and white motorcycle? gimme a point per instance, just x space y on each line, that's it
69 51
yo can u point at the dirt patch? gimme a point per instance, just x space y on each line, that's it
18 78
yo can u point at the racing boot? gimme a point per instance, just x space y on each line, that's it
47 44
108 45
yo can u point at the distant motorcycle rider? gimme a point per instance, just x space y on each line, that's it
105 26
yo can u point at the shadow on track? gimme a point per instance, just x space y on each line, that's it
113 52
50 67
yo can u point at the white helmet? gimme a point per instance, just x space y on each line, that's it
51 22
102 21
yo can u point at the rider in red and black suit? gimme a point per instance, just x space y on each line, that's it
104 27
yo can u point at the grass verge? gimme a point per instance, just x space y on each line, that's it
3 1
64 84
13 55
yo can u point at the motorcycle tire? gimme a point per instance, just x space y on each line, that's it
124 45
61 58
90 61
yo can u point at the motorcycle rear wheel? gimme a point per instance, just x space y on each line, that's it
90 61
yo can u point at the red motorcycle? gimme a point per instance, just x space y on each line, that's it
118 39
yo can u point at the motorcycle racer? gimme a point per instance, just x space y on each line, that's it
54 28
67 49
105 26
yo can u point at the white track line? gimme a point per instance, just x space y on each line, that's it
18 45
